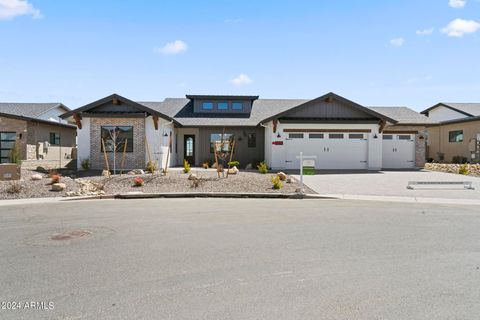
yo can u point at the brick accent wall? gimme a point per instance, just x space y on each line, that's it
133 160
420 142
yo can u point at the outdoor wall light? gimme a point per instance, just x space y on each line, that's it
278 135
375 136
165 134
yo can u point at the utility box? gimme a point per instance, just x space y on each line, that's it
9 171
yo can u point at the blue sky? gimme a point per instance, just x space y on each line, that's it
400 52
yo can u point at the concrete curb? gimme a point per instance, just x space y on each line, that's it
216 195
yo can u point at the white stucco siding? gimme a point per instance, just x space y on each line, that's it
268 144
442 113
53 115
83 141
158 143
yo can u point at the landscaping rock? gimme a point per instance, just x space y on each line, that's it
289 180
105 173
192 176
249 166
58 186
282 176
36 177
473 169
233 170
136 171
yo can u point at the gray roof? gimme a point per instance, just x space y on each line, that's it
29 110
403 115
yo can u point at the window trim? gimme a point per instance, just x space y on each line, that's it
7 149
56 136
459 132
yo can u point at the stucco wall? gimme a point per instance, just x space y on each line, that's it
40 132
443 114
158 143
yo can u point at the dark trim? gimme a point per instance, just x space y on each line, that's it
470 119
6 115
329 130
336 121
113 115
334 96
400 132
220 97
441 104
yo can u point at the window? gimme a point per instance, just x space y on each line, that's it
7 143
222 106
216 142
252 140
335 136
295 135
315 136
404 137
455 136
355 136
237 106
207 105
117 135
388 137
54 138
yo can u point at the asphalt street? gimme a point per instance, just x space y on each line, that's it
239 259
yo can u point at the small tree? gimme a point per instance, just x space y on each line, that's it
14 156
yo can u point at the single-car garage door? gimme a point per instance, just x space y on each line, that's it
398 151
334 150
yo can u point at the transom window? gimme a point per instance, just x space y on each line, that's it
54 138
7 143
335 136
315 135
404 137
355 136
295 135
222 144
207 105
388 137
455 136
222 106
115 138
237 106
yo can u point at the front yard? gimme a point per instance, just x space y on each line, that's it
92 183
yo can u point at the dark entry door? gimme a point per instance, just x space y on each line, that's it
189 149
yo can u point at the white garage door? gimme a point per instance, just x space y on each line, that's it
333 150
398 151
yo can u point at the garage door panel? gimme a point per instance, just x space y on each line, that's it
398 152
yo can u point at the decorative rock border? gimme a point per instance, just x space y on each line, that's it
473 169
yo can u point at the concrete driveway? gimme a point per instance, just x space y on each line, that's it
390 184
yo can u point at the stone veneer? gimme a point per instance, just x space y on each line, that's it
133 160
420 143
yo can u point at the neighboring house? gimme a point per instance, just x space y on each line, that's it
340 133
43 138
456 136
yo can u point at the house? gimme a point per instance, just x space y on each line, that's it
342 134
43 138
456 135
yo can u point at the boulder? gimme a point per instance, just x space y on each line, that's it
192 176
233 170
59 186
105 173
214 165
36 176
249 166
136 171
289 180
282 176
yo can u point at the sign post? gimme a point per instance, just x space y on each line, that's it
307 167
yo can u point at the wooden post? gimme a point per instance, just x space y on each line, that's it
148 150
168 153
123 155
105 155
231 155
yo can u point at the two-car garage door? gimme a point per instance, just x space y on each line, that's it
334 150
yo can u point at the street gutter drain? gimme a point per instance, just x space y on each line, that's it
69 235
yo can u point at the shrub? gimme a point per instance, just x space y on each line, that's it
55 178
262 168
277 182
14 187
463 169
206 164
459 159
138 182
14 156
186 166
151 166
85 164
233 163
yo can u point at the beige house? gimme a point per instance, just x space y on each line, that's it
456 135
42 137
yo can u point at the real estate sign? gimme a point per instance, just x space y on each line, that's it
308 167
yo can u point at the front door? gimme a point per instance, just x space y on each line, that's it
189 149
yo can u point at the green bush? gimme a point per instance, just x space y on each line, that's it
277 182
463 169
186 166
14 156
262 168
233 163
151 166
85 164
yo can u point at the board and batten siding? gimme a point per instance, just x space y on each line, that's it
322 109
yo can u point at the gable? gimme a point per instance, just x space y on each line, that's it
327 109
118 107
443 113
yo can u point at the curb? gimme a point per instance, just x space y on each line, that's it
216 195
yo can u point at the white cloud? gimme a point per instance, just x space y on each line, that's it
397 42
241 80
175 47
457 3
10 9
460 27
425 32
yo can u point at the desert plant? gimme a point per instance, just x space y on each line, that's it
277 182
262 168
463 169
206 164
85 164
14 156
138 182
55 178
186 166
151 166
14 187
233 163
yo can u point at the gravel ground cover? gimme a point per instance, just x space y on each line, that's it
174 181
